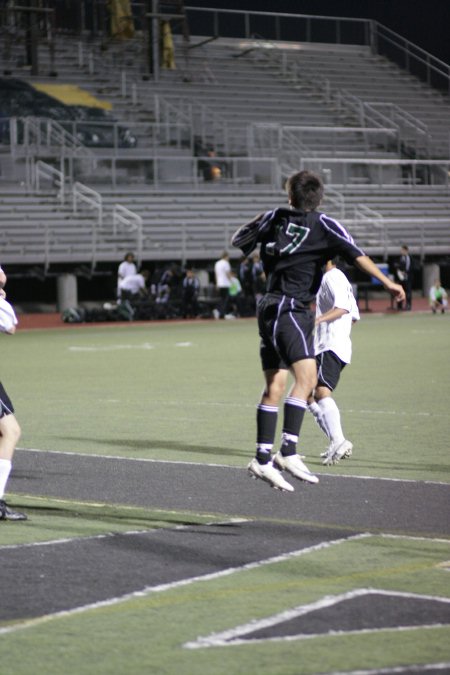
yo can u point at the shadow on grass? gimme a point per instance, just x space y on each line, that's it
392 468
108 515
174 446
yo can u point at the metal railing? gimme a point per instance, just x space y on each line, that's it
130 222
412 58
380 172
86 195
38 135
369 218
278 26
278 138
384 238
161 170
411 132
44 171
329 29
205 124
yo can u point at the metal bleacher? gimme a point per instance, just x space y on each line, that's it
268 108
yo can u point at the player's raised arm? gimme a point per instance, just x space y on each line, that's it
246 237
367 265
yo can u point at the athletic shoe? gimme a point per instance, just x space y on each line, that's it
8 514
337 452
294 465
269 474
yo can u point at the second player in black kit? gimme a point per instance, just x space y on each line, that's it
295 243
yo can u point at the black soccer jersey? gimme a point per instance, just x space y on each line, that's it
294 247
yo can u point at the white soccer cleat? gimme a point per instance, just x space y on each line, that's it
343 451
337 452
294 465
269 474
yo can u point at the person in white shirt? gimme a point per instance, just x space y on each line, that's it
336 311
126 268
9 427
222 271
133 285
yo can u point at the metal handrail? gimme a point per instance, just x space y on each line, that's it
38 134
275 19
131 221
363 213
83 193
43 170
442 167
204 121
411 53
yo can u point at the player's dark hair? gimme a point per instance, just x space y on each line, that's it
305 190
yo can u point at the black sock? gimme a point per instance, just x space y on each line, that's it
294 412
266 424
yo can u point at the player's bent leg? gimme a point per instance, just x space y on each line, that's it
287 458
9 436
275 385
261 466
305 374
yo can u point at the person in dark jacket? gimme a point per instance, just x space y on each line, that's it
295 243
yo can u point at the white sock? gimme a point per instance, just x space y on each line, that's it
315 409
332 419
5 470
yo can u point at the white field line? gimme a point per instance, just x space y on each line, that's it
345 411
235 635
148 590
215 465
309 636
108 348
397 669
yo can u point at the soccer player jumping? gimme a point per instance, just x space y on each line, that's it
295 242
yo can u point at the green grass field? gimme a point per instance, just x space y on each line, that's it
187 391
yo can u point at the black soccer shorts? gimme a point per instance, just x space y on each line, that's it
286 329
6 407
329 368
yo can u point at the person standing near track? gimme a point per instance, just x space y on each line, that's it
222 273
9 427
295 243
404 272
126 269
336 312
